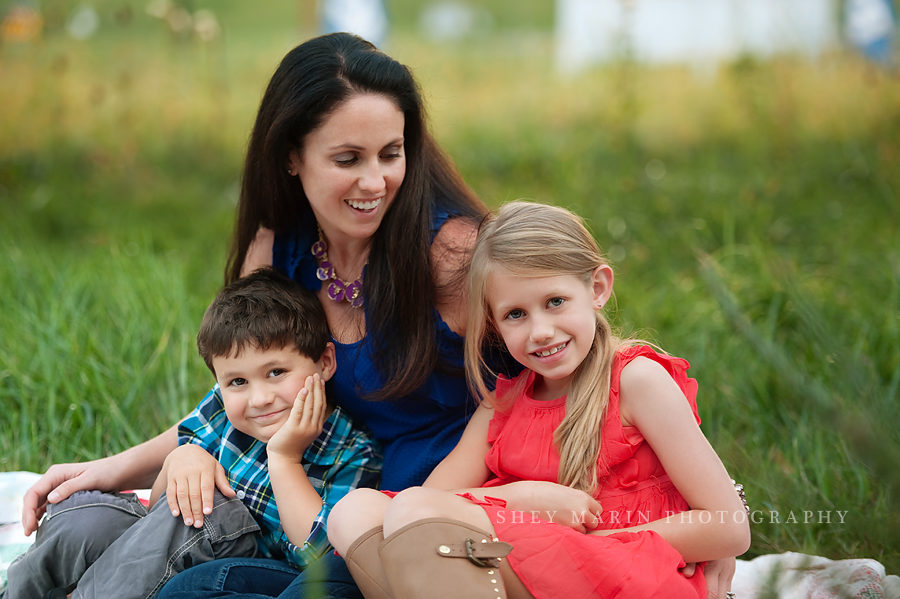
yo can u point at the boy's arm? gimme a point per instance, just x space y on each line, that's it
191 477
192 472
285 449
358 464
159 485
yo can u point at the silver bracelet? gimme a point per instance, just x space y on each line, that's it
740 491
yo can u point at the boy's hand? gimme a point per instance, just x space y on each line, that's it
303 425
192 477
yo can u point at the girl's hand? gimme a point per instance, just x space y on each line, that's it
192 476
555 503
303 425
718 574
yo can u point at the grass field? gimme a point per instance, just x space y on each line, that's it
752 215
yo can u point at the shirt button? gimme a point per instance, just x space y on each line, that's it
241 495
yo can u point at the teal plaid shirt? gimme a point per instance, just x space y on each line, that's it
341 459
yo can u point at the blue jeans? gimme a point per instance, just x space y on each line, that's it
263 579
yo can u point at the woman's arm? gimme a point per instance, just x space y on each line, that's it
134 468
259 254
450 254
717 525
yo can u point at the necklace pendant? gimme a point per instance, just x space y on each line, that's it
353 293
319 248
336 291
325 271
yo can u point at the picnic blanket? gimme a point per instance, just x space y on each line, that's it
801 576
13 541
792 575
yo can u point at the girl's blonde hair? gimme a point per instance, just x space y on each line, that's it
533 240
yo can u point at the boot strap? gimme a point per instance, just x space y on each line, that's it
481 554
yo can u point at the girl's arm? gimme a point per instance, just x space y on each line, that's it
464 467
717 525
464 471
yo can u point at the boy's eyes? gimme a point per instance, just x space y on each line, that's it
240 382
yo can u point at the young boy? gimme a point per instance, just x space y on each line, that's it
266 426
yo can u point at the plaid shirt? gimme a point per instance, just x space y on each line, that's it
341 459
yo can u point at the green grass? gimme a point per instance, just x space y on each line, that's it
752 216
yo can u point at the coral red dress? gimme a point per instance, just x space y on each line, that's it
553 560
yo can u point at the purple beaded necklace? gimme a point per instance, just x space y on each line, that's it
337 289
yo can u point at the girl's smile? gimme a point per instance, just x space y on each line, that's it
552 351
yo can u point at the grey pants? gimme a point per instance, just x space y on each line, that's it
106 545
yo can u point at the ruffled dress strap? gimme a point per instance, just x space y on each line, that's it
620 442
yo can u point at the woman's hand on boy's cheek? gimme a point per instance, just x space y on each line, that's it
193 476
304 424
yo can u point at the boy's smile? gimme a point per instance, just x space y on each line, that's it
259 387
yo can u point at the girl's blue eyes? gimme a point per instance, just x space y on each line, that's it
516 314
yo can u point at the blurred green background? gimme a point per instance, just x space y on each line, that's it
751 212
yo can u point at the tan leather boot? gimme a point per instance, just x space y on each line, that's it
443 559
365 565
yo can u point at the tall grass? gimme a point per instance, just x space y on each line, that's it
751 214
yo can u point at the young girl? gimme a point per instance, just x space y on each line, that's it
585 476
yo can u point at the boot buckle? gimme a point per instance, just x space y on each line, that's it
470 554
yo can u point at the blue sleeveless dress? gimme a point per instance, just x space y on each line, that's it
417 431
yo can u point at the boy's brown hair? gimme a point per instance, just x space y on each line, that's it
264 310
